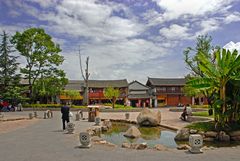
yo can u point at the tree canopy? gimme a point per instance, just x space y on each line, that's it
40 52
112 94
9 78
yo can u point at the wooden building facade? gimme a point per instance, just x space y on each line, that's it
168 91
138 94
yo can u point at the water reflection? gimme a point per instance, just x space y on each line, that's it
150 135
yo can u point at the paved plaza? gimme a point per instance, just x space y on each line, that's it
43 140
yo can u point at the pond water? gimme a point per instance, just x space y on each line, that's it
149 135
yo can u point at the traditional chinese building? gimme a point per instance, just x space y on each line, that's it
97 87
96 90
168 91
138 94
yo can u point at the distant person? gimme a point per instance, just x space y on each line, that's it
65 114
189 110
19 106
184 113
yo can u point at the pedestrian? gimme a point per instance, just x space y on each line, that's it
184 113
65 114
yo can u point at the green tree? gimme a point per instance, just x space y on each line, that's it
191 57
203 46
216 77
112 94
9 79
40 52
71 94
49 86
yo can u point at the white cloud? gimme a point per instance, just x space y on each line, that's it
176 8
115 59
233 17
88 19
175 32
208 25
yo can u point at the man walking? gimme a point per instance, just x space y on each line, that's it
65 115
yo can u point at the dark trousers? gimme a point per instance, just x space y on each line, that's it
63 121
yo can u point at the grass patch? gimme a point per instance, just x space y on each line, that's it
202 126
210 126
202 114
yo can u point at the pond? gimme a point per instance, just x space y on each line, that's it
149 135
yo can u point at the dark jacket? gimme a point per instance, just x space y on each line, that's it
65 112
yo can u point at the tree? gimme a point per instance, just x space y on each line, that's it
9 79
216 77
40 52
71 94
191 58
49 86
203 46
112 94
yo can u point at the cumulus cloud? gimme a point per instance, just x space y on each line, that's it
177 8
175 31
122 40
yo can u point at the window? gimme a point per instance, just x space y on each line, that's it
162 88
173 89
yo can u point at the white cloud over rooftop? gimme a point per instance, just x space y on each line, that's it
128 39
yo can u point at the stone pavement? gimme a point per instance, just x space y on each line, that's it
44 140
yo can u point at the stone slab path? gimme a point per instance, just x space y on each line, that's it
43 140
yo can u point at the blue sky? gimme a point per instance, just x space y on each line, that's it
132 39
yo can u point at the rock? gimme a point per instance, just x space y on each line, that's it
96 139
234 133
104 128
183 147
148 117
193 131
91 132
160 147
182 135
132 132
103 142
126 145
207 148
222 136
208 139
235 138
107 123
141 146
212 134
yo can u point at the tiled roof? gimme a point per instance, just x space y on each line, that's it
135 85
166 81
77 84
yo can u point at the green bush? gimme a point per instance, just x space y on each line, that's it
49 106
75 106
118 106
42 105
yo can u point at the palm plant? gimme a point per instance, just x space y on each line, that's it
216 75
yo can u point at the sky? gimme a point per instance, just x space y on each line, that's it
126 39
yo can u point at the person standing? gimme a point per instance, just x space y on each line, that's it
65 115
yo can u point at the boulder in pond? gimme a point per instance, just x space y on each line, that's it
132 132
182 135
148 117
